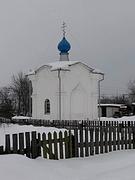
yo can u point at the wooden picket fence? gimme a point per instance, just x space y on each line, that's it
52 146
83 141
69 124
104 137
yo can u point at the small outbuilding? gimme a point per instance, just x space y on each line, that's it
112 110
133 108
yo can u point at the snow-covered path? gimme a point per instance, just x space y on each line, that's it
118 165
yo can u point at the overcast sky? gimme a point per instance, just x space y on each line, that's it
101 33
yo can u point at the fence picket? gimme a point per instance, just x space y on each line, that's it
126 132
7 144
96 140
51 155
110 136
81 140
133 137
122 136
15 143
118 136
70 144
86 142
61 144
114 136
55 146
39 144
129 137
21 143
33 145
28 148
106 139
91 141
101 139
66 145
44 145
76 142
1 150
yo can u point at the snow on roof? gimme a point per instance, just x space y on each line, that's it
21 117
98 71
113 105
64 65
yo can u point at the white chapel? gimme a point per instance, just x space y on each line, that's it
65 89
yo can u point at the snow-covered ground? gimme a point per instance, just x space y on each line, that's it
15 128
118 165
124 118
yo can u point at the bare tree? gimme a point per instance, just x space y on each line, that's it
121 99
131 91
20 92
6 103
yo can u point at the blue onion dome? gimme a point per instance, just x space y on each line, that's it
64 46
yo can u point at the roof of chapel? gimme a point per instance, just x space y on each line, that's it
65 65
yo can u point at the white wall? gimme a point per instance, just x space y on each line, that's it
79 93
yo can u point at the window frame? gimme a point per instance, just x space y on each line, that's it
47 106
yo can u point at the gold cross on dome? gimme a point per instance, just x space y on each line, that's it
64 28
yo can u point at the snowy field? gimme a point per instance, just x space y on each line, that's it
119 165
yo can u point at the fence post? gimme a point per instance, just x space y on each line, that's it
122 136
15 143
44 145
126 138
133 137
66 145
39 145
7 144
76 142
101 138
51 155
96 139
106 138
129 137
55 146
81 140
1 150
28 148
33 145
91 141
73 146
110 136
61 144
114 137
118 136
86 141
21 143
70 144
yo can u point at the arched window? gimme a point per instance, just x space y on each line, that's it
47 106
